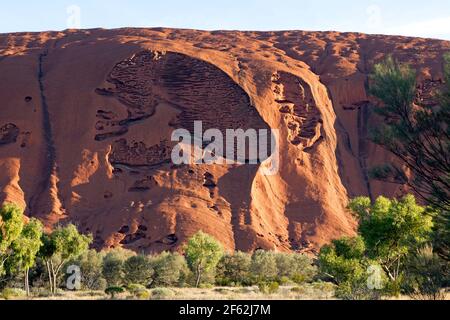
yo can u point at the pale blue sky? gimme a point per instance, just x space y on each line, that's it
428 18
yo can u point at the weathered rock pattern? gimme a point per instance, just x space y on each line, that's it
86 119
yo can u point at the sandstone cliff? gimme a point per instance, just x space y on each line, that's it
86 118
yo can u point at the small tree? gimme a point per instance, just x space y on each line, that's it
234 269
392 229
11 225
170 269
63 244
418 135
426 274
203 253
90 263
297 267
344 262
264 266
137 270
26 248
113 291
113 266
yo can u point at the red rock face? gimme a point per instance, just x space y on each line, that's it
86 119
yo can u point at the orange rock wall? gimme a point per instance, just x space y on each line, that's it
86 118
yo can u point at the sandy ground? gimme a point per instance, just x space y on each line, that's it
305 292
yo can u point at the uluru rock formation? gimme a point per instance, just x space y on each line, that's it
86 119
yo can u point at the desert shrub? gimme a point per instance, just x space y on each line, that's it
223 290
162 293
298 290
247 290
112 270
296 267
426 275
234 270
356 289
113 264
269 287
341 260
11 280
139 291
41 292
323 286
284 280
100 285
12 293
264 266
114 291
170 270
143 295
91 264
38 274
134 287
137 269
344 263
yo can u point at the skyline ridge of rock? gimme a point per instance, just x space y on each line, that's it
86 116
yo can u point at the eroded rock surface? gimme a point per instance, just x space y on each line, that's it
85 131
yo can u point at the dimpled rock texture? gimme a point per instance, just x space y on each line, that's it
86 118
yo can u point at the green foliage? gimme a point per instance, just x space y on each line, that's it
113 264
234 269
12 293
394 84
137 269
134 287
170 270
113 291
388 173
392 229
26 247
298 290
90 263
426 275
441 236
356 290
296 267
269 287
343 260
264 266
112 270
418 135
162 293
11 225
68 242
380 261
143 295
203 253
63 244
345 263
139 291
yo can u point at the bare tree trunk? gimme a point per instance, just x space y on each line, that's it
53 277
55 274
50 280
199 275
27 284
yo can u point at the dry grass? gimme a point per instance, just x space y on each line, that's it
316 291
305 292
